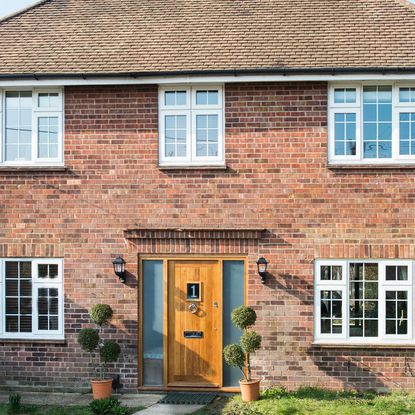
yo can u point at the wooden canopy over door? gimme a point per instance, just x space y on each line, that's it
194 323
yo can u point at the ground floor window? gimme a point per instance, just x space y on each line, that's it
31 298
363 301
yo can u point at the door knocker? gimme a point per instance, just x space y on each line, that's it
193 308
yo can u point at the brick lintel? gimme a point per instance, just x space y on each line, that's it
194 233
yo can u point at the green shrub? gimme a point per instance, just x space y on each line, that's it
15 405
120 410
239 356
104 406
243 317
88 339
250 341
110 352
234 356
101 314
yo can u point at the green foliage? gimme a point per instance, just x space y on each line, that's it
319 401
110 352
108 406
250 341
101 314
237 407
15 404
88 339
243 317
234 355
121 410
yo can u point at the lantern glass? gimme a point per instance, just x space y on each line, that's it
262 268
119 265
262 264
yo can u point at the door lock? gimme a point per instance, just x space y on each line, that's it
193 308
215 304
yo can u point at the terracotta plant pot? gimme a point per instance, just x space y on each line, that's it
101 388
249 390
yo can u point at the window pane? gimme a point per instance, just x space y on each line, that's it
48 100
47 305
173 98
345 134
207 97
377 121
344 95
47 137
233 296
18 296
406 133
207 135
363 297
175 135
330 272
152 285
47 271
331 311
356 328
18 126
406 94
396 312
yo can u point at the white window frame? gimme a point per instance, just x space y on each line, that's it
383 285
357 108
37 283
36 113
191 110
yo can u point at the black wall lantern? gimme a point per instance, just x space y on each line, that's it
262 265
119 268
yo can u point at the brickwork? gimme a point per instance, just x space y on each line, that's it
277 179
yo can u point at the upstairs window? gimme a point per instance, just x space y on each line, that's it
31 298
371 124
191 126
31 127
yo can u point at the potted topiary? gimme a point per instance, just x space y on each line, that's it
108 351
236 355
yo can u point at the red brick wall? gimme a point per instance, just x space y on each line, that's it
277 178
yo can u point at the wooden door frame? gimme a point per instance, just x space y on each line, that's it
177 257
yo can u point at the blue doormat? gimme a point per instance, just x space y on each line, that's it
188 398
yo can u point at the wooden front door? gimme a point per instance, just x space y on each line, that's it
194 324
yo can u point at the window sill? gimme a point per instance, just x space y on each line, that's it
363 345
192 167
373 166
32 341
5 168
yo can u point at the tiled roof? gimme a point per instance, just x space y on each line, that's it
137 36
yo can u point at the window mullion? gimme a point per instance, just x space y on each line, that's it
34 127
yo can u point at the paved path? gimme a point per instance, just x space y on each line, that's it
164 409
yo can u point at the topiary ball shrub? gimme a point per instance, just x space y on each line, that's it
88 339
250 341
101 314
243 317
110 352
234 355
